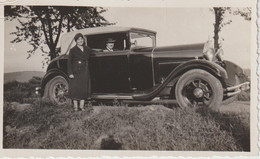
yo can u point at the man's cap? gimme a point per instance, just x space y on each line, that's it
110 40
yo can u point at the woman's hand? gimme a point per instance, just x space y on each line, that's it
71 76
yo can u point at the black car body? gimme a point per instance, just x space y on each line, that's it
138 70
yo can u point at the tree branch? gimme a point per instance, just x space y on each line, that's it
49 28
44 31
59 30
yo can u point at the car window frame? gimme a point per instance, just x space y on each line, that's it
99 52
143 32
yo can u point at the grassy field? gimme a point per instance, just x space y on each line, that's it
34 124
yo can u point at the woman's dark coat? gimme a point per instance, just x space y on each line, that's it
79 86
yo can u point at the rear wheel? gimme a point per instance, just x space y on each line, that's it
199 88
57 90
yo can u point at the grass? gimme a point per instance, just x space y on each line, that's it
156 127
41 125
238 124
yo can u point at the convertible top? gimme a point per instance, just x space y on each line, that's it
67 38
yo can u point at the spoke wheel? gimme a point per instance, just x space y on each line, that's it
58 90
199 88
197 92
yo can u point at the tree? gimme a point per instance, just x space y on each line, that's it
49 22
220 14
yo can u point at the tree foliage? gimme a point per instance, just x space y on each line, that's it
220 21
42 25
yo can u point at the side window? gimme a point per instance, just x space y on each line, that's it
102 42
142 40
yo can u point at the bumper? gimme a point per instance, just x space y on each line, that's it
234 90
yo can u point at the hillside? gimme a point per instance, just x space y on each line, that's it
23 76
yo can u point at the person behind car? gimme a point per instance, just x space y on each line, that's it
79 83
110 43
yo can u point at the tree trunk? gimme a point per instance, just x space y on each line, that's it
216 27
52 53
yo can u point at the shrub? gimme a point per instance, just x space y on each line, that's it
19 91
244 96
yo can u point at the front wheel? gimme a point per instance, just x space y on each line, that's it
199 88
57 90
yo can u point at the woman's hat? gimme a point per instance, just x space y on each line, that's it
110 40
78 35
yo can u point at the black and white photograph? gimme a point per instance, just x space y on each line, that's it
125 78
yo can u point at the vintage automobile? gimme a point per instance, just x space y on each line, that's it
137 70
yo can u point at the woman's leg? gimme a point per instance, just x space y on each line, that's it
75 103
81 104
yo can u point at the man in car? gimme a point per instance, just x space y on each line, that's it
109 45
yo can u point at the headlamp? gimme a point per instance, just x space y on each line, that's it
220 54
209 54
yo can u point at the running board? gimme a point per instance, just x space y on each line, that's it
111 96
155 101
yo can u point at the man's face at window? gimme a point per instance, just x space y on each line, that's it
110 46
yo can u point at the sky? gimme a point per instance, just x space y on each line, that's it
174 26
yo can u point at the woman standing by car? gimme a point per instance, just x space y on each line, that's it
79 84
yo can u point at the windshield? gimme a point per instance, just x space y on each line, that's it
142 40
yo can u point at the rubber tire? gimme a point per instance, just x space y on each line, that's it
49 89
213 82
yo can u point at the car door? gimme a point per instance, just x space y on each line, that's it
109 72
141 61
141 71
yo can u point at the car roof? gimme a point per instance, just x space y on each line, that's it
107 29
68 37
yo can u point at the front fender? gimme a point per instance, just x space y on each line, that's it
51 74
234 70
211 67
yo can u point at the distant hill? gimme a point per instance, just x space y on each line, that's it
23 76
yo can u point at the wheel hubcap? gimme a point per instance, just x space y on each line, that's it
60 90
198 92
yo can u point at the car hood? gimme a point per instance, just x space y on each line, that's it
190 47
177 48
